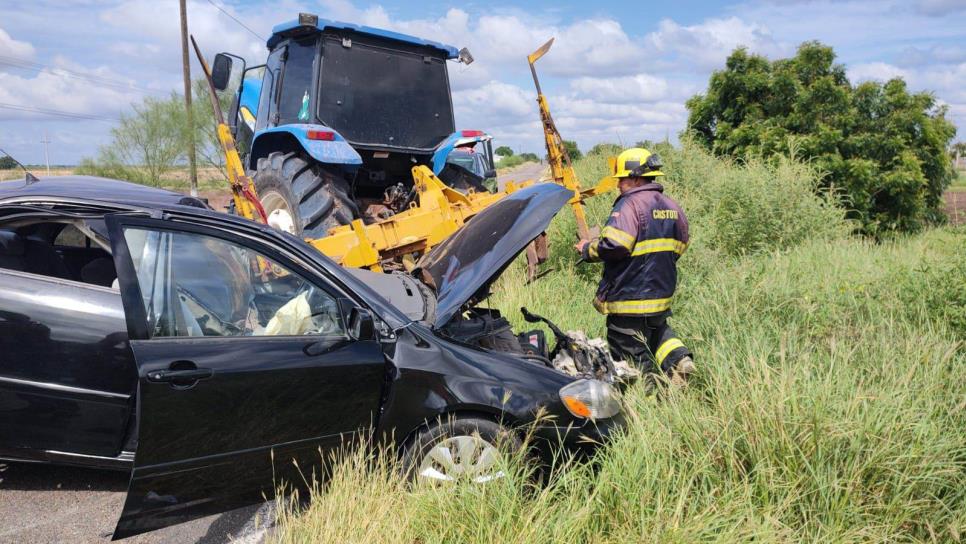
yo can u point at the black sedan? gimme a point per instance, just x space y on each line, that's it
139 330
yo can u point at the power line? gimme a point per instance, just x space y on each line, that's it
58 113
37 67
232 17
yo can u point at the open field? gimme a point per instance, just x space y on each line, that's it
829 404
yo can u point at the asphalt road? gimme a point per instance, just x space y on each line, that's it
526 171
43 503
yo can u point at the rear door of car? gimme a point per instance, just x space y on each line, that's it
66 371
246 374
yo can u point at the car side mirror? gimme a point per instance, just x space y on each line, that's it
361 325
491 173
221 71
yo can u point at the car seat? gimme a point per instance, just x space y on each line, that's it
12 251
42 258
99 271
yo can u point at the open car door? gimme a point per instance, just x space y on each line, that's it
246 374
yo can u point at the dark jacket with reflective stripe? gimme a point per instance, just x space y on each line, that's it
640 246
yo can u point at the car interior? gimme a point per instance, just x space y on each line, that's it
67 249
198 285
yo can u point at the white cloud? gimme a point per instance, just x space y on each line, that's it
622 90
10 47
496 100
708 44
500 42
875 71
158 24
53 91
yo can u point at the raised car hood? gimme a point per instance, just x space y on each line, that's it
466 263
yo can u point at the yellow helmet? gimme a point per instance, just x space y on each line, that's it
638 162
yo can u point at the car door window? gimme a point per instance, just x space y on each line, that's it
198 285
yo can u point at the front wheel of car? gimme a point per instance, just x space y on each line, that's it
464 448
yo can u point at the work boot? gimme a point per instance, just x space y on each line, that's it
684 368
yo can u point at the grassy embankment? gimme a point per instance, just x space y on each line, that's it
830 404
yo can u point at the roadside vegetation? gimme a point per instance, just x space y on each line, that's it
829 404
510 160
148 145
883 149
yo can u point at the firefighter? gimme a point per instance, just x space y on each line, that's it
639 246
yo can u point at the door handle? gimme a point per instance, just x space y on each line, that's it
180 374
194 374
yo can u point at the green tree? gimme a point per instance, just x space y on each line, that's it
530 157
150 139
605 149
153 138
207 145
504 151
7 163
883 148
572 150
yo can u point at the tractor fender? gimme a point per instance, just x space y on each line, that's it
295 138
449 144
443 151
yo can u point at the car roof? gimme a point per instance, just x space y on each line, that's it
91 188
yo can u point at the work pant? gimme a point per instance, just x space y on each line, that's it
646 341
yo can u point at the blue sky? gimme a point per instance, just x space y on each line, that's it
619 71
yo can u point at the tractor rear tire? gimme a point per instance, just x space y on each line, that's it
301 196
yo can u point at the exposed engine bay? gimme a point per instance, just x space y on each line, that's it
572 352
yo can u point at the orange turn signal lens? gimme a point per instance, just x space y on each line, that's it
577 407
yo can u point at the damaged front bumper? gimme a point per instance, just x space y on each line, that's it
584 440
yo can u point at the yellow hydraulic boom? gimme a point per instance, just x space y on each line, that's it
242 188
560 167
440 212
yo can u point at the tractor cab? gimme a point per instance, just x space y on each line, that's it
357 106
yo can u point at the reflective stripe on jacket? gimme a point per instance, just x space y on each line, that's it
640 246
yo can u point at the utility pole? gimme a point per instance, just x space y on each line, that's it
192 165
46 141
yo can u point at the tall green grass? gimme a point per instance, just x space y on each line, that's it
830 403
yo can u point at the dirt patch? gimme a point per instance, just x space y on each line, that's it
956 207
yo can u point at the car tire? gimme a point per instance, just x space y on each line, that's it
302 197
459 448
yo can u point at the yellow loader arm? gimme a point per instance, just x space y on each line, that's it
242 188
440 212
560 167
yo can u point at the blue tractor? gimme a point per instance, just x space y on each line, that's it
333 123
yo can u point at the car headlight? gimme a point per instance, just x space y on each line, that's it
591 399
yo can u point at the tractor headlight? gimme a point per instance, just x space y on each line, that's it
591 399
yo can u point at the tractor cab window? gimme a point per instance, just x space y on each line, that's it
296 99
266 100
196 285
